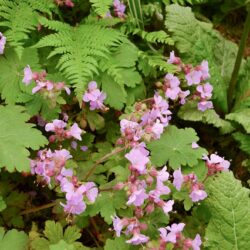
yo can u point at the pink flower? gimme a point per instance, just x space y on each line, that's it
183 95
138 239
118 225
196 243
138 197
205 90
28 75
173 59
172 86
162 175
204 70
193 77
119 8
75 132
138 158
204 105
69 3
178 179
168 206
131 130
195 145
91 191
197 193
170 233
157 129
55 125
94 96
2 43
216 164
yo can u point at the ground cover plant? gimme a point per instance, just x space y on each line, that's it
124 124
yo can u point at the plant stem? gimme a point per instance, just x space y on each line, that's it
104 158
238 60
36 209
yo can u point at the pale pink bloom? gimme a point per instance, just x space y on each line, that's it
157 129
170 233
204 105
172 83
138 197
168 206
119 8
138 239
195 145
118 225
197 193
178 179
204 69
56 124
138 158
205 90
75 132
2 43
183 95
28 75
193 77
91 191
173 59
162 175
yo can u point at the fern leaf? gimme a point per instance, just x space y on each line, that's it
101 7
21 17
80 49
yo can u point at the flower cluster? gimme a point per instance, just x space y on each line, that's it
2 43
58 127
190 181
76 193
216 164
194 76
49 164
119 9
50 167
173 234
43 86
94 96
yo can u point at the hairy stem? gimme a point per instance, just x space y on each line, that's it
36 209
103 159
233 81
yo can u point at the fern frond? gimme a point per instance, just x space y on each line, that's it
21 17
101 7
192 2
80 49
157 37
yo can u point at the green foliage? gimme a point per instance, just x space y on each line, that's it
21 17
118 243
80 49
2 204
175 147
136 12
189 112
16 136
242 117
11 76
116 200
56 239
184 2
197 40
229 226
13 240
101 7
244 141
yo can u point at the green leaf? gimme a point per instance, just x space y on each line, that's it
2 204
108 209
11 76
13 240
62 245
53 231
116 94
15 137
175 147
101 7
242 117
228 201
244 141
117 243
72 234
136 12
189 112
198 41
95 120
